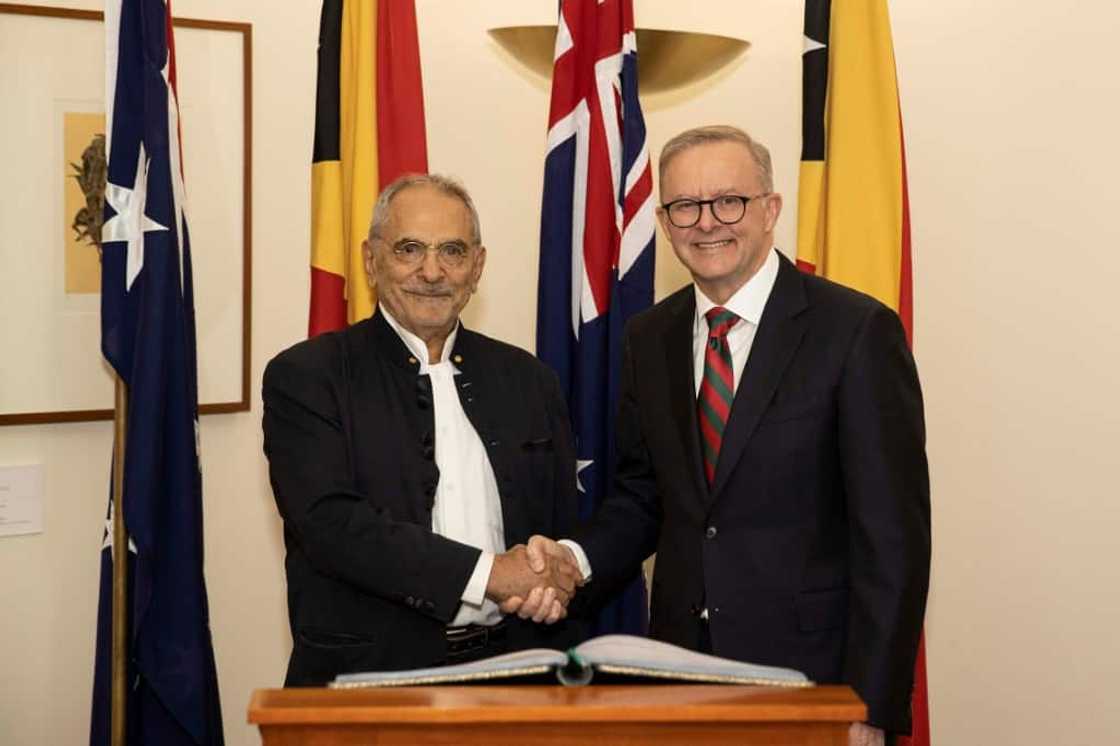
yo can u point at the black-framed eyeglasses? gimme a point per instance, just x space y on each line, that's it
451 254
726 208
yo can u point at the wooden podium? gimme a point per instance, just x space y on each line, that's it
604 715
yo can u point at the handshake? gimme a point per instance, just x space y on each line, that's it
535 581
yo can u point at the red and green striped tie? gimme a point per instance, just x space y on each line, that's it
717 388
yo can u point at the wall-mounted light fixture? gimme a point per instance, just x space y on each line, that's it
666 59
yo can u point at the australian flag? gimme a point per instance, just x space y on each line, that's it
597 241
148 336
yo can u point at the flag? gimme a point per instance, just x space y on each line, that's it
148 336
369 130
853 221
597 241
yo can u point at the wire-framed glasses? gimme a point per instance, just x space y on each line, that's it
451 254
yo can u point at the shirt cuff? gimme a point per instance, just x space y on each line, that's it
581 558
475 592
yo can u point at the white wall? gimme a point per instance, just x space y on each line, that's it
1010 117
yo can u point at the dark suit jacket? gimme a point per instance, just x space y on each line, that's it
348 431
811 550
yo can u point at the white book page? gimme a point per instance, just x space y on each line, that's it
510 661
641 652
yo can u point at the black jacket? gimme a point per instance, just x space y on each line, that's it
348 431
812 548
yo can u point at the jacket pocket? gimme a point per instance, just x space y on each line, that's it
796 410
821 610
543 443
317 638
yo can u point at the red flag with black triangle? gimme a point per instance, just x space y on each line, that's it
369 130
853 204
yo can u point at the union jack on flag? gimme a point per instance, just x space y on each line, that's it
148 336
597 240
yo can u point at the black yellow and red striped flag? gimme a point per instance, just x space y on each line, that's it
853 221
369 130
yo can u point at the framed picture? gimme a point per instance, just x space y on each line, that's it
52 83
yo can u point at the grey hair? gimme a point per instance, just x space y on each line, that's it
445 184
718 133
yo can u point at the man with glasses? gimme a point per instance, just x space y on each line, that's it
771 451
410 458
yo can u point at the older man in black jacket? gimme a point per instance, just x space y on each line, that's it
411 457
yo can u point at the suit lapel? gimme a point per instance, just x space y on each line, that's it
682 386
484 397
779 334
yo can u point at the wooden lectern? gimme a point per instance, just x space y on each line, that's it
603 715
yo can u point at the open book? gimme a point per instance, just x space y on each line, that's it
613 654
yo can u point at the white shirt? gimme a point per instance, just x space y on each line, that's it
467 506
747 303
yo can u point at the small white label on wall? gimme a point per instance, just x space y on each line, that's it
21 500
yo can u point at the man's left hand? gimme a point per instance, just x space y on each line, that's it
862 734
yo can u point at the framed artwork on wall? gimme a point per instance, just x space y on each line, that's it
52 82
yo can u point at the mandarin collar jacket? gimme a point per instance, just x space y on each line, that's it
349 435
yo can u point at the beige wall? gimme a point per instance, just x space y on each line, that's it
1010 119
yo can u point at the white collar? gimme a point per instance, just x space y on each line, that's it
417 346
749 300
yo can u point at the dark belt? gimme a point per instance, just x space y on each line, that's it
462 640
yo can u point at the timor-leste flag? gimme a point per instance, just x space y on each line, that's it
369 130
853 212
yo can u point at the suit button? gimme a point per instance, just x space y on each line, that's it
410 601
429 606
711 532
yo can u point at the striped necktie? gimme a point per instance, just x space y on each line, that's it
717 388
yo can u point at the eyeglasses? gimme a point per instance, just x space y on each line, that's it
451 254
726 208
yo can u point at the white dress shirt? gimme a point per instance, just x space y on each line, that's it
467 506
747 303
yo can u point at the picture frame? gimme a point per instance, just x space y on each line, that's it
52 82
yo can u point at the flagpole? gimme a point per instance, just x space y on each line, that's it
120 570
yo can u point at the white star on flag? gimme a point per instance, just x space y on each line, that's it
107 542
581 464
810 45
130 223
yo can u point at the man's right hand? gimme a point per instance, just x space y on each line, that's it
543 550
543 553
539 589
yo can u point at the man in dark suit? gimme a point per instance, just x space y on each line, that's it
786 495
410 458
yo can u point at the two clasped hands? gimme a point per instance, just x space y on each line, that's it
535 581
